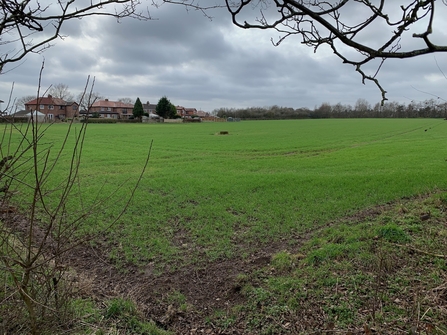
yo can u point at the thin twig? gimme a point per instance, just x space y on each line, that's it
419 250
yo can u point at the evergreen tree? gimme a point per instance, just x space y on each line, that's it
138 110
165 109
173 112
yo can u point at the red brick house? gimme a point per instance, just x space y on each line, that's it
186 112
190 111
112 109
202 114
181 110
53 108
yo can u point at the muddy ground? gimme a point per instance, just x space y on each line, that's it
208 287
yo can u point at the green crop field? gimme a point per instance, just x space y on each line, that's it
307 224
262 181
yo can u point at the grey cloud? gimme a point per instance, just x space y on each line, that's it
211 64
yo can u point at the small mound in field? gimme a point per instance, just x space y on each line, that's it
223 132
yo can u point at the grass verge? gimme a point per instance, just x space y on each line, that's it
383 273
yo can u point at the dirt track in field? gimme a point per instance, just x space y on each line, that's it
208 287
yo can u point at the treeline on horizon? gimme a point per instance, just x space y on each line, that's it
430 108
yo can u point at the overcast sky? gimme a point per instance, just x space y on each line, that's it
208 64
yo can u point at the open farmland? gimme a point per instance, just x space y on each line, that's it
265 180
257 231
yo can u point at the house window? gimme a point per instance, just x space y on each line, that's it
42 107
124 111
61 107
102 109
50 107
109 109
74 107
50 117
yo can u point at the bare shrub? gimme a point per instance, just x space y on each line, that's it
41 218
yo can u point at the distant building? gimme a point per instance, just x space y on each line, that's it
112 109
53 108
189 112
149 108
202 114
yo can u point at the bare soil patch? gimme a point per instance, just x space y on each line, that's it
207 287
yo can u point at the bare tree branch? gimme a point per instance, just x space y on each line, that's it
28 27
33 252
395 24
203 7
60 91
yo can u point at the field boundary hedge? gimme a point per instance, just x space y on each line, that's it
99 120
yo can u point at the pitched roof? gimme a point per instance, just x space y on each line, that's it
20 113
49 100
111 104
202 113
149 106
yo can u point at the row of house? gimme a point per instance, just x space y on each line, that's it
58 109
119 110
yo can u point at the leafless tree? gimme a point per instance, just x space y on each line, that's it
29 26
61 91
362 105
126 100
86 100
363 33
20 102
41 215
